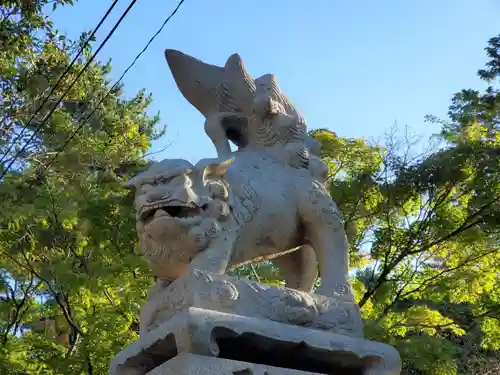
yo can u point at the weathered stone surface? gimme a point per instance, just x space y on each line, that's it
216 334
192 364
243 297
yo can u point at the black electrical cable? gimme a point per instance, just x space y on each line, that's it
114 86
60 79
37 130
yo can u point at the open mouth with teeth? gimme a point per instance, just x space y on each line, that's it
172 210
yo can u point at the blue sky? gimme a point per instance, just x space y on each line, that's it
354 67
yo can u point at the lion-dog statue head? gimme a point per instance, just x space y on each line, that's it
179 208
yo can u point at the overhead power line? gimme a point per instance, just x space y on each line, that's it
82 48
43 122
87 118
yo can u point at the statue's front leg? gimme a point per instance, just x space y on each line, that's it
216 257
325 230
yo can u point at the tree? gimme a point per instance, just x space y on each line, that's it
71 282
428 226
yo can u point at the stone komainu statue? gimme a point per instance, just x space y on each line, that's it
267 200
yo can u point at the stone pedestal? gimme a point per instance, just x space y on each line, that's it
337 314
263 331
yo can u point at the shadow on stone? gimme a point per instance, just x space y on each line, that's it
253 348
154 356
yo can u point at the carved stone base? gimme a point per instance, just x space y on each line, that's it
192 364
258 341
243 297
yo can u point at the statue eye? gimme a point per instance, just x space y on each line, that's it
163 179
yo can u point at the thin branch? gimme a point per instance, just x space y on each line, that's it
254 271
389 267
55 294
419 325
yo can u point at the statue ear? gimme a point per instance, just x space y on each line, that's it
130 184
216 170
